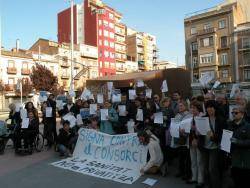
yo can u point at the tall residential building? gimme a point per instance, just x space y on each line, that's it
209 42
141 47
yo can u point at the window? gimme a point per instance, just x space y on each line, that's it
207 26
205 42
193 30
105 23
106 64
111 16
224 59
246 42
112 55
223 42
64 72
100 42
194 46
246 58
207 58
112 65
224 73
106 43
100 22
11 81
106 54
112 35
112 45
111 25
100 32
222 24
195 62
100 64
11 64
25 65
100 53
247 75
106 33
210 73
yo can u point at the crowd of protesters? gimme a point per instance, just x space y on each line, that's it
200 160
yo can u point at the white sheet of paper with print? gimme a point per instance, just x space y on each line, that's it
140 83
25 123
202 125
110 86
122 110
174 128
72 120
43 96
48 112
131 94
23 113
235 87
164 87
59 104
92 109
231 107
104 114
116 98
139 115
72 93
205 79
158 118
226 140
86 94
186 125
131 126
150 181
100 98
216 84
149 93
79 119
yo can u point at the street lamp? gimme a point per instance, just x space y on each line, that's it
72 45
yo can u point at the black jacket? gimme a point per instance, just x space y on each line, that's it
65 110
64 137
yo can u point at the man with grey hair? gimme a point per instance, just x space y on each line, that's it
240 148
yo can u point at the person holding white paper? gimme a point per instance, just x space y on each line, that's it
240 148
14 116
29 106
106 126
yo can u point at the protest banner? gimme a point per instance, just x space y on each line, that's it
112 157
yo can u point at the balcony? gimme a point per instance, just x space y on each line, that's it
225 80
65 64
245 47
120 69
65 76
120 33
25 71
11 70
9 87
206 31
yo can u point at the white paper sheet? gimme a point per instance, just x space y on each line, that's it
18 107
92 109
235 87
110 86
85 94
59 104
186 125
79 119
25 123
226 140
48 112
149 93
71 119
100 98
175 128
132 94
104 114
131 126
216 84
23 113
205 79
140 83
164 87
139 115
158 118
72 93
202 125
116 98
122 110
150 181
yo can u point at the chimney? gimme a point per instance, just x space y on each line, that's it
17 45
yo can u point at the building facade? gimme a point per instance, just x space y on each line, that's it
142 47
209 39
161 65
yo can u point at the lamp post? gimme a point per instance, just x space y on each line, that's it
72 44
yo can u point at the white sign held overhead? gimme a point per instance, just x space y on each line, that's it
216 84
23 113
110 86
93 109
48 111
122 110
174 128
226 140
158 118
86 94
104 114
72 120
140 83
205 79
164 87
25 123
202 125
132 94
149 93
100 98
234 90
139 115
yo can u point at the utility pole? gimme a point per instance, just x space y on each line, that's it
191 63
72 45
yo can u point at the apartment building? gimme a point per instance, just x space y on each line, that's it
209 38
142 47
162 65
85 61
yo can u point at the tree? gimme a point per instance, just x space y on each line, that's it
27 87
57 90
42 78
2 87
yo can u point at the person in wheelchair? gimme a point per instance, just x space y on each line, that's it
4 136
66 140
27 132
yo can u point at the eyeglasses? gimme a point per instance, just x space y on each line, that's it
235 113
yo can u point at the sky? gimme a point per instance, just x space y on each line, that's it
29 20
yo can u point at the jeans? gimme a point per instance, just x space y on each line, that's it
197 165
63 150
